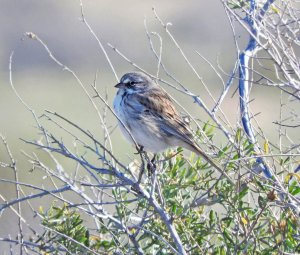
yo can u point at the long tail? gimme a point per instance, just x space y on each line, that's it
197 150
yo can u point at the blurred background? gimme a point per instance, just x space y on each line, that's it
44 85
200 26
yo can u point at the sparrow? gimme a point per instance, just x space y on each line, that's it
148 118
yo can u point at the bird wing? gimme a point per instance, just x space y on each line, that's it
159 104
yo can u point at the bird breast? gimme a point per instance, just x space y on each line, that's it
143 129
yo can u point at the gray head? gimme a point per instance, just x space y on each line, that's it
135 82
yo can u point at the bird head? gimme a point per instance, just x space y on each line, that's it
135 82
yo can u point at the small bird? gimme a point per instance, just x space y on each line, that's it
150 116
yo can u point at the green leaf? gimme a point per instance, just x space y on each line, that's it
212 218
261 202
227 235
294 190
243 193
238 135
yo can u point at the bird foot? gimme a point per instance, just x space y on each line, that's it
140 150
151 166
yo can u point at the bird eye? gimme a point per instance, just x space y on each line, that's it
131 83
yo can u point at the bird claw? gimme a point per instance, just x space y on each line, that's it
151 166
140 150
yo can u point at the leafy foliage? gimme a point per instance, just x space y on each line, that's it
65 228
211 215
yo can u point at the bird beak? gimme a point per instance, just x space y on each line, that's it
120 85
